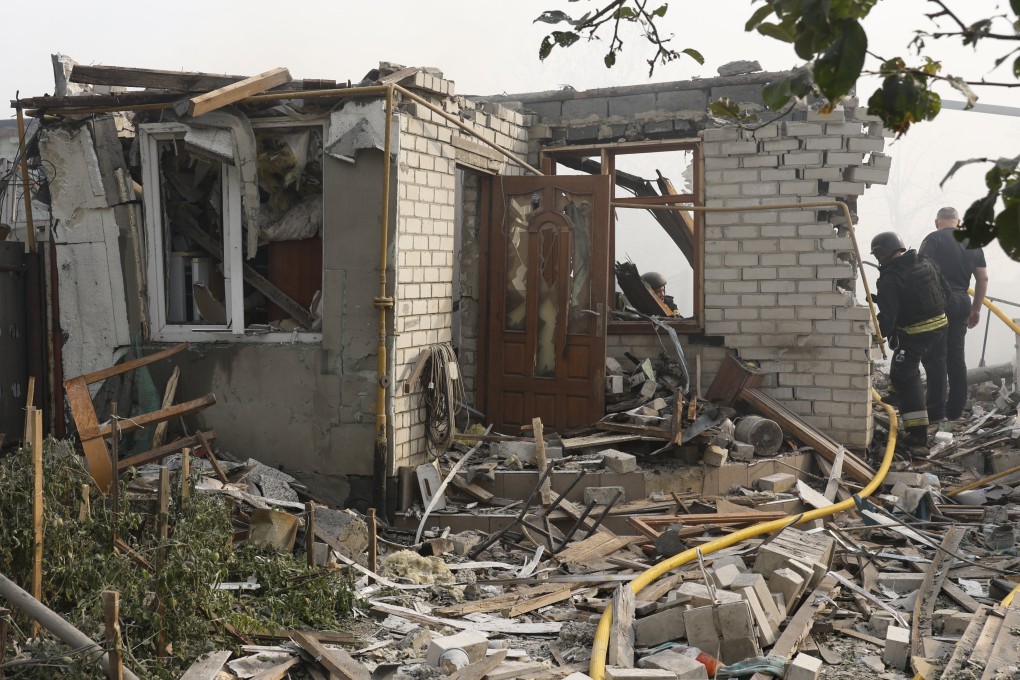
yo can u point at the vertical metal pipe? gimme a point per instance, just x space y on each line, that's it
383 303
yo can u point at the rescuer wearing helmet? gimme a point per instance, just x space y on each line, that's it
657 282
912 314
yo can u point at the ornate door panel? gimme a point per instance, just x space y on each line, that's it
548 293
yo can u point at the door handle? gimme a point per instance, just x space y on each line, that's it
590 312
600 321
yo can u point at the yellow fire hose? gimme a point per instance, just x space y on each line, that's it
998 312
600 648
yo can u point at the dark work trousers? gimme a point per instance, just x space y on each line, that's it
948 360
905 376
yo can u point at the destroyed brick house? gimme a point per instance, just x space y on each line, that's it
153 196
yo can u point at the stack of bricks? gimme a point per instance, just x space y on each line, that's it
779 284
423 249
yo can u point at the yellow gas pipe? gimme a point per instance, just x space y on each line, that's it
600 648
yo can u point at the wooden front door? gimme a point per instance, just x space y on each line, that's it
548 292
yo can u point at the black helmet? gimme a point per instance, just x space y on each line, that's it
655 280
886 244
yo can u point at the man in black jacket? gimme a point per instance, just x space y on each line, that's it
957 263
912 315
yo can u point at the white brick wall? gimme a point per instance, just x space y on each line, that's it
778 302
424 249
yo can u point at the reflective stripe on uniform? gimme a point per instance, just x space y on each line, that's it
915 418
932 324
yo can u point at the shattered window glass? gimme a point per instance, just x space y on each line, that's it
516 230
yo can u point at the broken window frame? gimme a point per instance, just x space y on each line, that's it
549 160
149 137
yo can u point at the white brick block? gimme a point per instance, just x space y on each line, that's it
760 188
828 174
772 146
741 148
843 158
778 174
868 174
865 144
806 158
823 144
760 161
797 129
799 188
723 134
845 188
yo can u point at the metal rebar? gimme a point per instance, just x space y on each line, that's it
484 545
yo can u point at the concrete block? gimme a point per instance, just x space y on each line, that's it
787 583
525 451
897 647
764 627
724 575
602 495
614 384
649 388
613 367
778 483
618 461
867 174
638 674
574 109
739 649
803 667
473 642
735 560
901 584
700 597
684 666
950 622
878 624
727 627
715 455
758 584
577 675
653 630
742 451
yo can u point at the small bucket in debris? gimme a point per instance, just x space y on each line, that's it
272 527
765 435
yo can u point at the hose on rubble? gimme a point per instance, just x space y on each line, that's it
600 648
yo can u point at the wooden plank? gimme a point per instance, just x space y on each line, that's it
545 492
721 518
278 671
207 667
1004 659
800 625
598 440
650 533
621 636
931 588
473 490
494 626
114 643
594 547
156 455
663 433
539 602
656 590
479 669
965 646
337 661
168 399
986 641
36 442
235 92
176 411
511 670
498 602
180 81
126 366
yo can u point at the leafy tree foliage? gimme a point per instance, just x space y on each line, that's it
830 36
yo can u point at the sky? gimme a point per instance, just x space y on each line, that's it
492 47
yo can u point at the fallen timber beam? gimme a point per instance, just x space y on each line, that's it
60 628
931 586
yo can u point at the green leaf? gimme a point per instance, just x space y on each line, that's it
553 17
724 107
565 38
1015 4
624 13
979 221
837 70
959 164
759 16
610 59
1007 229
777 93
776 31
545 48
1016 67
660 11
694 54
